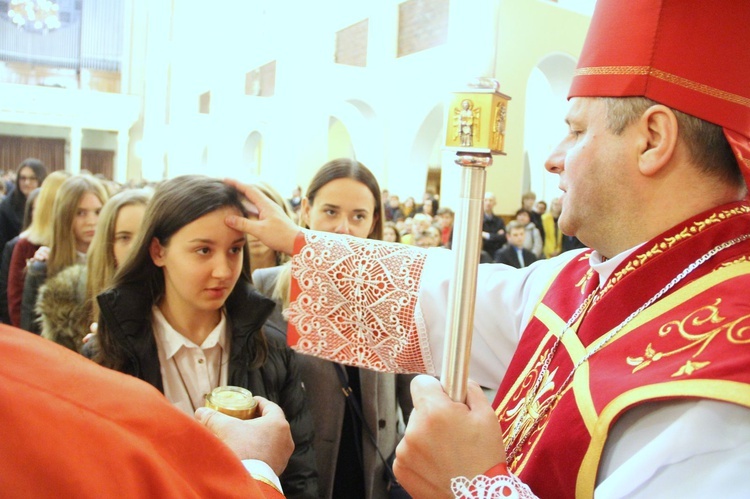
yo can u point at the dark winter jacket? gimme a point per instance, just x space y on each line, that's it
4 269
11 216
36 275
126 313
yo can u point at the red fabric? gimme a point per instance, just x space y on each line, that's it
292 335
687 54
692 348
498 469
74 429
23 250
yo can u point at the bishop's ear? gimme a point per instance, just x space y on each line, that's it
658 131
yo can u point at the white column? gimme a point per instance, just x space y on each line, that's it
121 156
75 141
155 131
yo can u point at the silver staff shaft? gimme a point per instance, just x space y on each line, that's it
467 245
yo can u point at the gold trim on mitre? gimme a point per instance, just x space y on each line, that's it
663 75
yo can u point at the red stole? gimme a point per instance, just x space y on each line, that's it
689 343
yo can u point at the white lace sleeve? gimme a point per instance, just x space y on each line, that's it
353 302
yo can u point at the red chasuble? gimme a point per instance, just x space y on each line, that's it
692 342
353 301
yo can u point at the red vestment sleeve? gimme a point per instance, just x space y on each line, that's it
72 428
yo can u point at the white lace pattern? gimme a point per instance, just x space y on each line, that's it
496 487
356 302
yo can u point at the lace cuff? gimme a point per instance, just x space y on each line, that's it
491 487
353 302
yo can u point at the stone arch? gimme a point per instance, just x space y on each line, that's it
355 121
546 105
426 152
252 152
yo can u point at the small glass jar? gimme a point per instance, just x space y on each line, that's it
233 401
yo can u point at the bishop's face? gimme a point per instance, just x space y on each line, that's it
594 166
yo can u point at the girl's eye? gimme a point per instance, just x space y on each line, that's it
330 212
359 217
124 238
203 251
236 250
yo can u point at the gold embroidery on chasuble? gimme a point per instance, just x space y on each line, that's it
680 234
691 335
525 411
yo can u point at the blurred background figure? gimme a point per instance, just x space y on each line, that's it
553 241
514 253
393 209
7 255
74 218
390 233
67 302
444 222
261 256
493 228
533 242
296 199
29 175
38 234
428 238
528 203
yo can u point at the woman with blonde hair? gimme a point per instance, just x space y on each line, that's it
74 217
67 302
39 233
29 175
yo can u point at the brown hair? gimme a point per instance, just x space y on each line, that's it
705 141
347 168
176 203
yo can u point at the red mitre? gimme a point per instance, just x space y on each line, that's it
690 55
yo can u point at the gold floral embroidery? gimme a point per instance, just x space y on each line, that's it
689 368
692 329
669 241
528 406
581 284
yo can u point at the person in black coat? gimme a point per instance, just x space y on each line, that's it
8 253
182 315
29 175
513 253
493 227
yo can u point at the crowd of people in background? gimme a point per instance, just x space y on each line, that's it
30 214
66 266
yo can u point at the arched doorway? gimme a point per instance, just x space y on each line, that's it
252 153
546 105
